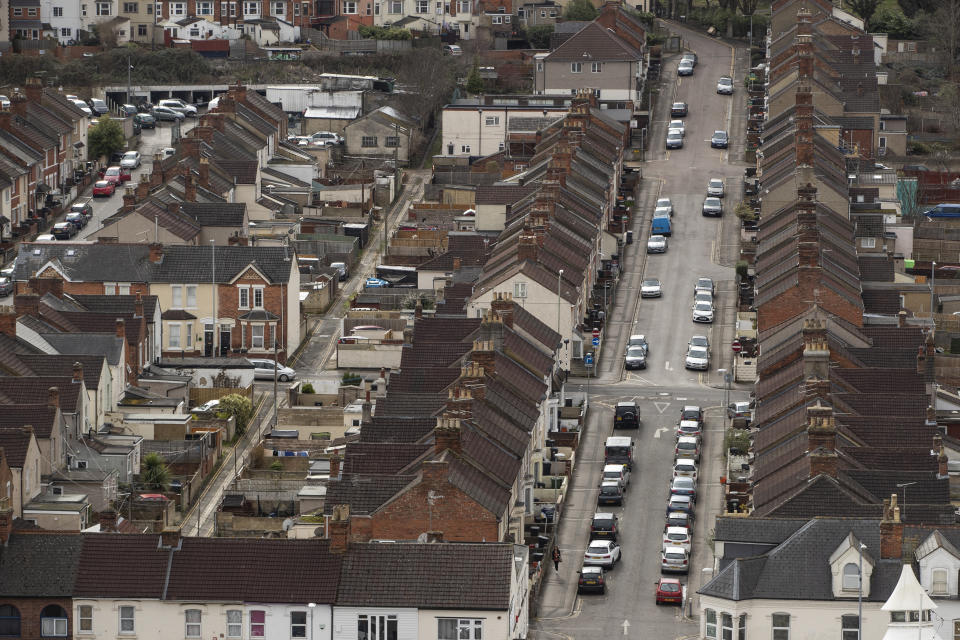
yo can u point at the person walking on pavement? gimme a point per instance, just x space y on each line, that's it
556 558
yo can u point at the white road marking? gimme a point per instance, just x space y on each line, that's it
666 365
661 406
659 431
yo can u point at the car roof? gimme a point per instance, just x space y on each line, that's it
638 336
683 478
604 515
672 549
627 403
685 461
591 569
687 439
674 529
609 483
611 467
600 542
676 498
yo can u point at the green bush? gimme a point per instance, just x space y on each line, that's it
741 269
738 440
276 465
581 10
539 36
307 388
384 33
105 138
239 407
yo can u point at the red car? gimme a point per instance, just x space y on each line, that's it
669 590
116 175
104 188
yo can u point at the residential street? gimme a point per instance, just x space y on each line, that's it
699 246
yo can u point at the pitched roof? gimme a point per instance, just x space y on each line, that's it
216 214
15 444
593 43
502 193
121 566
39 565
429 576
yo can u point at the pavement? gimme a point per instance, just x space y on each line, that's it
699 247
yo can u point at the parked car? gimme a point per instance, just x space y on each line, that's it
145 120
685 68
712 207
684 486
77 219
699 341
677 537
688 447
674 560
342 272
112 174
689 429
651 288
678 110
601 553
639 340
616 473
452 50
697 358
6 286
591 580
685 467
207 407
605 525
176 104
663 212
666 202
635 358
678 124
680 519
702 296
668 591
656 244
4 102
83 106
165 113
130 160
715 187
719 140
610 493
84 206
739 410
63 230
703 312
684 504
263 369
674 139
376 283
725 86
128 110
104 188
45 237
99 107
691 57
692 412
326 138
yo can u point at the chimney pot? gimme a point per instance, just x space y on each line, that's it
77 372
53 397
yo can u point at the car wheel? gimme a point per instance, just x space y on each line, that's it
284 378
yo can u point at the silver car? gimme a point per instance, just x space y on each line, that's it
715 187
704 284
264 370
674 560
636 358
697 358
656 244
651 288
678 124
674 139
712 207
725 86
685 68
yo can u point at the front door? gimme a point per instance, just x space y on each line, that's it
208 340
224 340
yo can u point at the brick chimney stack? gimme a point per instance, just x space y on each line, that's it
902 318
33 88
942 469
891 530
366 414
472 380
340 529
77 372
459 403
26 304
121 328
335 466
447 435
129 199
821 428
502 305
528 248
138 305
189 188
53 397
6 521
483 356
18 104
108 521
142 190
156 171
170 538
815 388
204 172
156 252
816 351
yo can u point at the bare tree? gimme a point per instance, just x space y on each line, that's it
943 29
747 7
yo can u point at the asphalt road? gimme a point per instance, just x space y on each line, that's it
699 247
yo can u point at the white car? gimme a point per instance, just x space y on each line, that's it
674 559
325 138
725 86
4 102
651 288
656 244
130 160
677 537
678 124
715 187
83 107
703 312
207 407
663 211
666 203
686 467
188 110
264 370
697 358
45 237
602 553
685 68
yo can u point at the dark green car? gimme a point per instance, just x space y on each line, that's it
145 121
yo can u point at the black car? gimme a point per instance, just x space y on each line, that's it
627 414
63 230
678 110
610 493
604 525
591 580
719 140
145 121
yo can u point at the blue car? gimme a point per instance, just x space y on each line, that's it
376 283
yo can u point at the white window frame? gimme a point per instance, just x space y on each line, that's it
520 290
463 6
192 628
462 628
260 632
726 626
178 9
254 329
233 9
742 627
53 627
850 581
205 8
251 8
781 631
278 8
379 621
868 243
710 624
243 297
104 8
596 67
939 587
176 296
422 6
395 7
58 12
368 142
158 7
65 32
234 623
131 618
175 337
85 622
576 67
350 7
491 121
298 629
258 298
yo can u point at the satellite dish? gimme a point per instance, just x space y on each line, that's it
287 524
422 537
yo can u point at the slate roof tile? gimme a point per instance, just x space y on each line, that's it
39 565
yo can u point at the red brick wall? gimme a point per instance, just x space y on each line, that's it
459 517
30 609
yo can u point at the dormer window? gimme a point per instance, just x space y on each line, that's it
851 577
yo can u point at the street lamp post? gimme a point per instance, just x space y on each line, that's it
727 378
860 593
559 276
312 606
903 510
933 283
